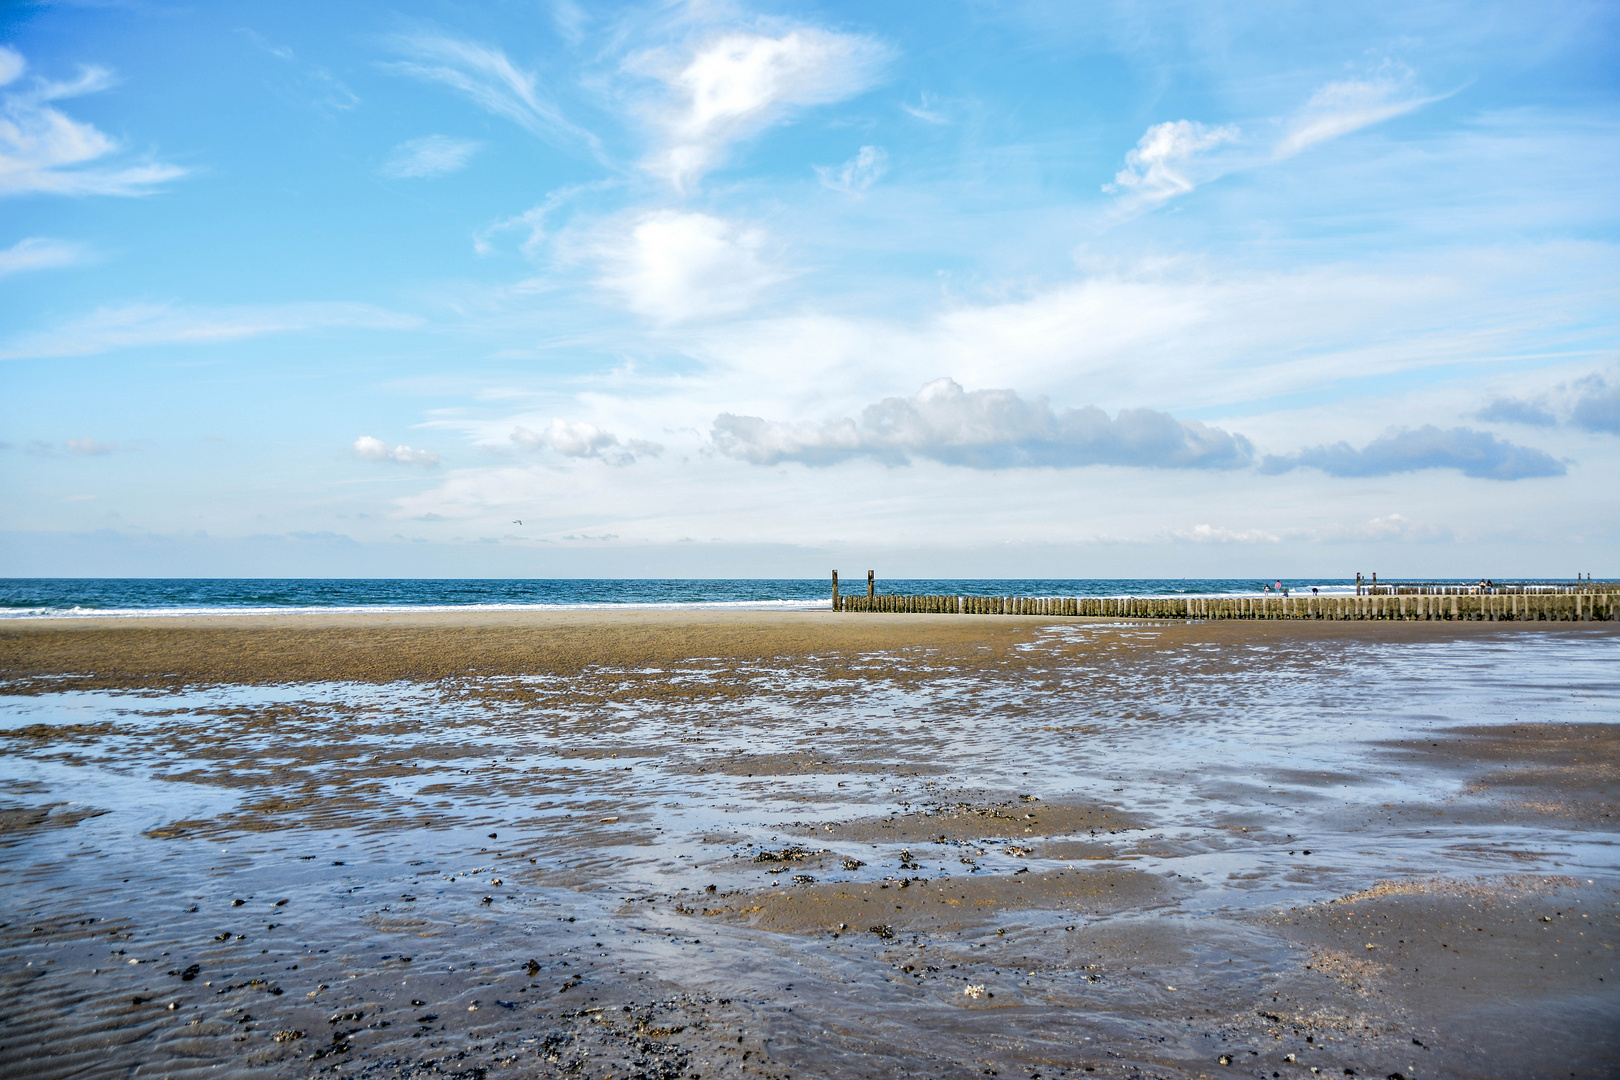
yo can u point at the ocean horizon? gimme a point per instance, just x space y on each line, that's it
104 597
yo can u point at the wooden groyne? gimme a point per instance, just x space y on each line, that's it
1539 606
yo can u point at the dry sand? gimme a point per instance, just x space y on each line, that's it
729 843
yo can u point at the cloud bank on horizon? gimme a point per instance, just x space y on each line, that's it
1035 283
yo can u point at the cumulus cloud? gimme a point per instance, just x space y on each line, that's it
576 439
486 77
1597 404
1516 411
431 155
373 449
39 253
737 84
677 266
1164 162
985 429
1342 107
1474 453
43 150
136 325
858 173
1591 403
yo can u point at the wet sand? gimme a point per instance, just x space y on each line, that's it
797 844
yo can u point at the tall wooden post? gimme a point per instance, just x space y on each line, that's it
871 584
835 590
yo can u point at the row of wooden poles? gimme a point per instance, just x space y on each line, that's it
1499 590
1540 606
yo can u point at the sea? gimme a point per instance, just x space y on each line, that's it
102 597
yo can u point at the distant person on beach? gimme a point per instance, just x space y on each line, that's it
1314 591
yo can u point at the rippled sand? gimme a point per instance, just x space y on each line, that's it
747 844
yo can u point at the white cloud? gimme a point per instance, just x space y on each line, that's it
1215 534
533 221
858 173
485 76
431 155
136 325
12 65
1591 403
1387 527
577 439
43 150
1173 158
310 84
739 83
1474 453
90 447
926 111
986 429
373 449
40 253
1342 107
674 267
1164 162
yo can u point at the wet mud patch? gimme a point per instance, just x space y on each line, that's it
936 905
1510 975
1568 771
532 832
21 819
807 764
1071 850
1012 819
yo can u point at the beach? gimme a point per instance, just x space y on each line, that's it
709 843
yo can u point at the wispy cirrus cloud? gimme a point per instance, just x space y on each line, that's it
1175 157
1339 108
927 109
858 173
45 151
136 325
370 448
429 156
1473 453
985 429
489 79
41 253
310 84
535 221
735 85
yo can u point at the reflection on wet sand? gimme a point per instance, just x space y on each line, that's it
744 844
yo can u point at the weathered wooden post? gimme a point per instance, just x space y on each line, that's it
871 584
835 591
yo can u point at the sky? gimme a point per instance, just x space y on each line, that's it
971 288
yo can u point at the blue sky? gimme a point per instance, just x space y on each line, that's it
1079 289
